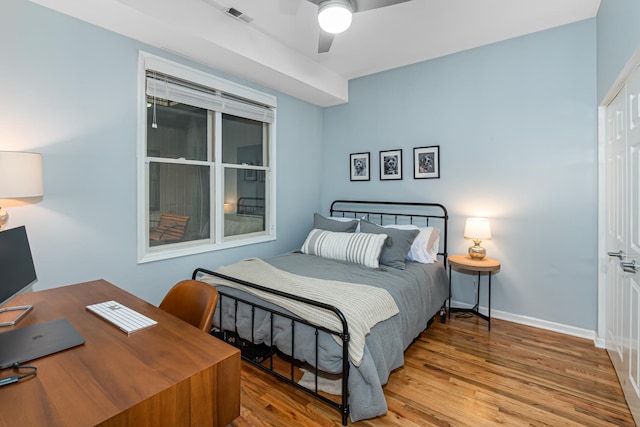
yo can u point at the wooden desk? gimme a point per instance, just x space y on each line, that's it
170 374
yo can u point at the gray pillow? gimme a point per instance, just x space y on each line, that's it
396 247
322 223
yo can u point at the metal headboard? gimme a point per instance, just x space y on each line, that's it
250 205
383 213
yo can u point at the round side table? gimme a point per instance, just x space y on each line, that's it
466 263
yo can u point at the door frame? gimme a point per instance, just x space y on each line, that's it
625 73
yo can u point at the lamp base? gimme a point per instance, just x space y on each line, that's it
477 252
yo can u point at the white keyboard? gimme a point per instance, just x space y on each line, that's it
120 316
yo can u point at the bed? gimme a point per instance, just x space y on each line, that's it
292 316
248 218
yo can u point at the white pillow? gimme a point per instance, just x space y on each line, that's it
358 248
425 246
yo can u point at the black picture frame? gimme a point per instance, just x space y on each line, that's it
360 166
391 165
250 175
426 162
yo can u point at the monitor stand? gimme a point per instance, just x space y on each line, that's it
24 308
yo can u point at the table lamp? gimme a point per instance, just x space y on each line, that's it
477 229
20 177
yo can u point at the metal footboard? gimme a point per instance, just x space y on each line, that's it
262 357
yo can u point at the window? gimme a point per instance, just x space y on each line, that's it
205 170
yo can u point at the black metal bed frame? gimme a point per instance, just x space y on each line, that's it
251 205
255 355
258 354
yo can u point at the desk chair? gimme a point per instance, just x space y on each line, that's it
192 301
170 228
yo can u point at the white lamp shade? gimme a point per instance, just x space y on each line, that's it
477 229
20 175
334 16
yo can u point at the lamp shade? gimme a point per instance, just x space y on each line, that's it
334 16
20 175
477 229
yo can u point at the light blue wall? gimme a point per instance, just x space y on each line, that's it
68 90
516 126
618 38
515 122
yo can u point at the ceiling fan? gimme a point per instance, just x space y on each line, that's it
334 16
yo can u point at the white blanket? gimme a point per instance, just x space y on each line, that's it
362 305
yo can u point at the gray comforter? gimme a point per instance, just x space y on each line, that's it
419 292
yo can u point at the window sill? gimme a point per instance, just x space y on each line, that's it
191 248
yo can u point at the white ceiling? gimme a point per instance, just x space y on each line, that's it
278 48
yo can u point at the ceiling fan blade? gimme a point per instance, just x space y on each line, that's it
361 5
324 41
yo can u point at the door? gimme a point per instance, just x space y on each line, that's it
622 169
616 223
633 242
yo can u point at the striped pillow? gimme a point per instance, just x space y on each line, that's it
359 248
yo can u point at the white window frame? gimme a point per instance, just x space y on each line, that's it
147 61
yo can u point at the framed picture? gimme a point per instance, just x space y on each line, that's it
426 162
250 175
390 164
360 166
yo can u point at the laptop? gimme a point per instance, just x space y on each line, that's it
31 342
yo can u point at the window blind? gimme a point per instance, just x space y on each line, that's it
170 88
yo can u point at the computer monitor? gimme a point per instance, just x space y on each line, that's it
17 271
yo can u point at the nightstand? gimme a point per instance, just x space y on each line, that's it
466 263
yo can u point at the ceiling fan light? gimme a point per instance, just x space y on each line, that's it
335 16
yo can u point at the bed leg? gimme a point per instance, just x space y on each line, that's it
443 314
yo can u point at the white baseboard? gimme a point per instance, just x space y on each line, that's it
540 323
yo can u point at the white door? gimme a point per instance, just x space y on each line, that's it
633 241
616 223
622 170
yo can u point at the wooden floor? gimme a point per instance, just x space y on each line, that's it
459 374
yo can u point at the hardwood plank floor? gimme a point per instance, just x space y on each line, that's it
459 374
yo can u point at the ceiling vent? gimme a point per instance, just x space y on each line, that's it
239 15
